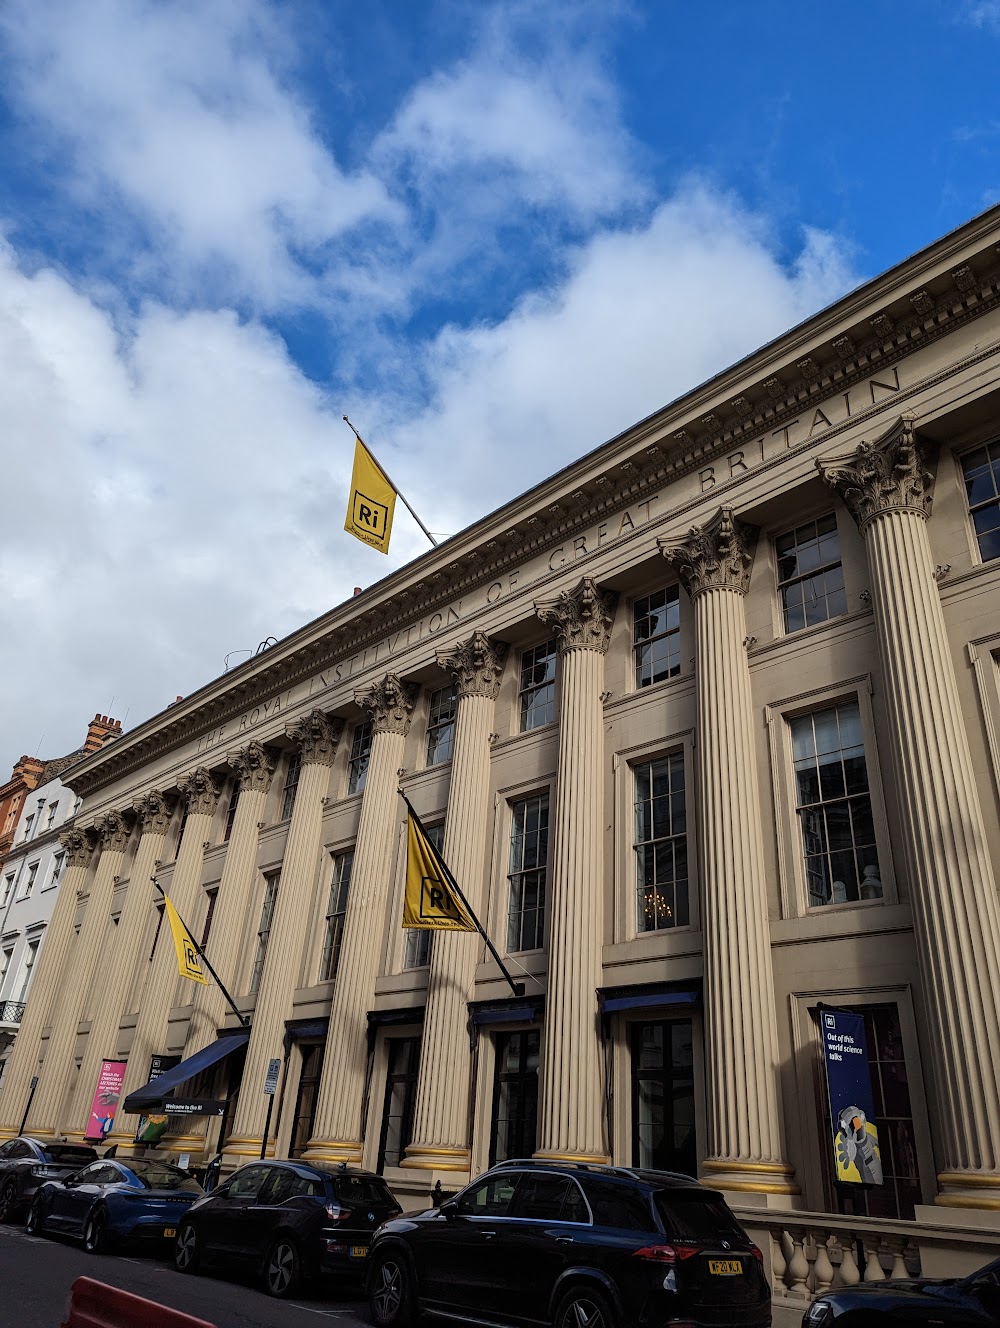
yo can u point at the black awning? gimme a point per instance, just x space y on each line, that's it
407 1014
519 1009
302 1030
649 995
151 1096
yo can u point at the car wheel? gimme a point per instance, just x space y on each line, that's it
282 1267
390 1291
34 1223
8 1200
585 1307
96 1236
187 1249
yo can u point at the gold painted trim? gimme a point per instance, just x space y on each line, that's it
961 1201
968 1180
757 1187
437 1152
597 1158
434 1166
755 1168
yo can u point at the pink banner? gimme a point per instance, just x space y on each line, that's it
109 1090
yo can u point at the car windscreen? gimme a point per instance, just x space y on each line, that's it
159 1176
689 1216
356 1190
64 1155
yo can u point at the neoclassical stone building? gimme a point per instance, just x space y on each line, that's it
707 726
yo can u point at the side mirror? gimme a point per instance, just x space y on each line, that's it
449 1208
69 1182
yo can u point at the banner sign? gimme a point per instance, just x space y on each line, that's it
848 1076
105 1103
151 1129
194 1106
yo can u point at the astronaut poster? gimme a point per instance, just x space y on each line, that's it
855 1135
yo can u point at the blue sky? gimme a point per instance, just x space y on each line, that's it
495 234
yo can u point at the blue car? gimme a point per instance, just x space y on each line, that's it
111 1201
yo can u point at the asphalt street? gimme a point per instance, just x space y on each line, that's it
36 1275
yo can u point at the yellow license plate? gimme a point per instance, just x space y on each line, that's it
170 1231
359 1251
725 1267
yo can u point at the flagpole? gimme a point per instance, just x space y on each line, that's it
516 987
244 1021
381 469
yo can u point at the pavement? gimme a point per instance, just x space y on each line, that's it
36 1274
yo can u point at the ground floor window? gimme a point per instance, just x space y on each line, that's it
515 1095
663 1110
400 1101
900 1190
305 1100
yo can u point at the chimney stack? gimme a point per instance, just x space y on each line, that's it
100 730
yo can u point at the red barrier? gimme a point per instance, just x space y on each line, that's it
97 1305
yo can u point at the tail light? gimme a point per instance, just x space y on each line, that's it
47 1173
337 1214
758 1255
667 1253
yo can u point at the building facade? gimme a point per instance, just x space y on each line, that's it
707 727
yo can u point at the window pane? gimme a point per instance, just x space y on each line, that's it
810 575
661 844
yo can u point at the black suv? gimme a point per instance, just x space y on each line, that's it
574 1245
287 1220
27 1163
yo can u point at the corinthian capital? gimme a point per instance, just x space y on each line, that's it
78 845
476 665
201 791
389 704
316 735
113 830
582 616
254 765
890 474
154 810
715 556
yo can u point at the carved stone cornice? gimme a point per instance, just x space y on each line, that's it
201 791
389 704
113 830
154 810
582 616
476 665
316 736
890 474
254 766
78 845
715 556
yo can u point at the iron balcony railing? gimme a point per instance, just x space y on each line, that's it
11 1012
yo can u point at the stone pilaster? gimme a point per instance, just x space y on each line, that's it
571 1110
48 981
745 1138
316 736
254 768
200 791
441 1119
338 1131
887 486
153 813
58 1073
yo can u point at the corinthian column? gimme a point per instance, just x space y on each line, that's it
887 486
254 768
316 736
48 983
571 1110
745 1138
201 793
338 1132
153 813
57 1077
441 1118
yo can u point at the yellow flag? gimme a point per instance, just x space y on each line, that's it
430 902
369 512
187 955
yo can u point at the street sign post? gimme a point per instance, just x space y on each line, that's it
270 1084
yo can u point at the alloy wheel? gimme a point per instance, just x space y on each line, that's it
583 1310
282 1268
95 1233
8 1197
186 1249
388 1293
33 1223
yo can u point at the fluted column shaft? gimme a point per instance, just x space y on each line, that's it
888 488
116 979
337 1127
57 1075
294 918
163 982
571 1106
47 984
441 1116
745 1135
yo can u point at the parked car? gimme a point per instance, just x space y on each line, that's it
288 1220
972 1301
575 1245
26 1163
112 1201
